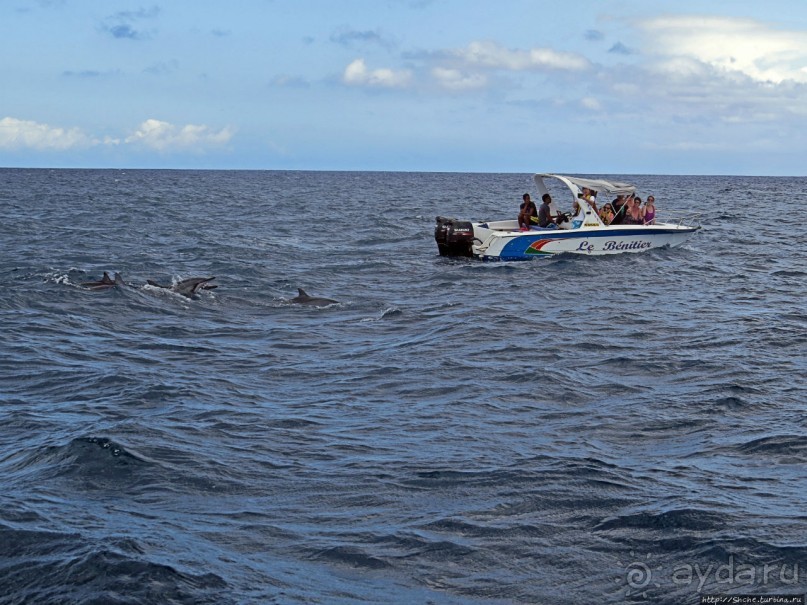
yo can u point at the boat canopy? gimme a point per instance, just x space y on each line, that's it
576 184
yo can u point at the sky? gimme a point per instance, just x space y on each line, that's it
515 86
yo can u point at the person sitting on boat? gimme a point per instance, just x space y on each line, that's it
527 211
634 214
650 211
607 213
545 218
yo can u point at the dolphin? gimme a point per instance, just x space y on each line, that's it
105 282
187 287
304 299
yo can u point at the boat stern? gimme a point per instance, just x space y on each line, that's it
454 237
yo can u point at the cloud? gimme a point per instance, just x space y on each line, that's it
357 74
350 38
620 49
707 77
454 79
26 134
124 30
166 137
737 46
153 134
121 25
464 69
490 55
590 103
141 13
594 35
86 73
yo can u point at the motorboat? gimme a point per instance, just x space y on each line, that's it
584 232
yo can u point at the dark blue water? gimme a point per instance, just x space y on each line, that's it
571 430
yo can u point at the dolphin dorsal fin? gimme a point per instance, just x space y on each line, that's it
302 292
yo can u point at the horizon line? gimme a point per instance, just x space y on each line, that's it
381 171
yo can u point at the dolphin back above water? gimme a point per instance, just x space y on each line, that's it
187 287
105 282
316 301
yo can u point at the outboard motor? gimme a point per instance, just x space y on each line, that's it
453 237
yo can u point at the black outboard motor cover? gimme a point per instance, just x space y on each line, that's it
453 237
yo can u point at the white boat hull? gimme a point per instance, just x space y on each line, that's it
506 244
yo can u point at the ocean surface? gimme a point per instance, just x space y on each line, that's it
629 428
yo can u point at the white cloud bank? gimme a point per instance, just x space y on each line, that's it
27 134
689 59
464 69
164 136
491 55
153 134
731 45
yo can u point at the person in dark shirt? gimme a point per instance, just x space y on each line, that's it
545 218
527 210
620 209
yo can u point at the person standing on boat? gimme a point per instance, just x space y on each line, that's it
591 197
620 206
527 211
634 215
545 218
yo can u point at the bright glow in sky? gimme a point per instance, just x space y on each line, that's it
589 86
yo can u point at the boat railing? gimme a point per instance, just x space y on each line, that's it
682 219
